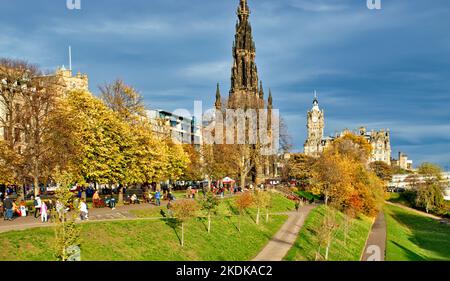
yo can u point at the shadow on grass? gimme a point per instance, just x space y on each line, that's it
204 221
411 255
231 222
427 234
174 224
232 208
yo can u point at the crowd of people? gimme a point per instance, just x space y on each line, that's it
47 210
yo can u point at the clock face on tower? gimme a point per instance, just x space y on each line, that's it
315 119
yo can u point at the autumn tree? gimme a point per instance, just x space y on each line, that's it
354 147
382 170
242 203
9 163
193 171
39 100
341 175
123 99
15 75
300 167
101 137
184 211
209 204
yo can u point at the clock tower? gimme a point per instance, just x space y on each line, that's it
315 126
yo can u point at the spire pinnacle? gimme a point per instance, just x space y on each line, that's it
218 97
316 100
270 100
243 10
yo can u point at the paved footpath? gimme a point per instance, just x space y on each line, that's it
284 239
102 214
375 249
95 214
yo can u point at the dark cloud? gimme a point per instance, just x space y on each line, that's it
382 69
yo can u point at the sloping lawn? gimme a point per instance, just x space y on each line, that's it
156 240
342 249
412 237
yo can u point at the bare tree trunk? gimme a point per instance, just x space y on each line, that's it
36 185
243 178
120 199
257 216
327 250
182 234
267 215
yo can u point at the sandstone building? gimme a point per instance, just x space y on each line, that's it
64 81
316 142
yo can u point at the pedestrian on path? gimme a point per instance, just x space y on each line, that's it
8 205
23 209
83 210
37 206
44 214
158 198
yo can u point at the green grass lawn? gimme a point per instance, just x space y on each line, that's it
412 237
398 198
350 249
155 240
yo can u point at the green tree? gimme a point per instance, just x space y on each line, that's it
430 191
262 200
209 204
67 233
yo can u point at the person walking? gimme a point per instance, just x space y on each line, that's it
8 205
37 206
83 210
158 198
59 210
112 203
44 212
23 209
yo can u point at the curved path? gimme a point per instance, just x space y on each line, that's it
283 240
375 249
103 214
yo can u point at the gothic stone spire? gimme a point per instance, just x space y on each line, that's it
244 74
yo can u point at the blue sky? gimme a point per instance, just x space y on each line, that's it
382 69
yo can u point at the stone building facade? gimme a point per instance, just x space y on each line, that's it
316 142
64 80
